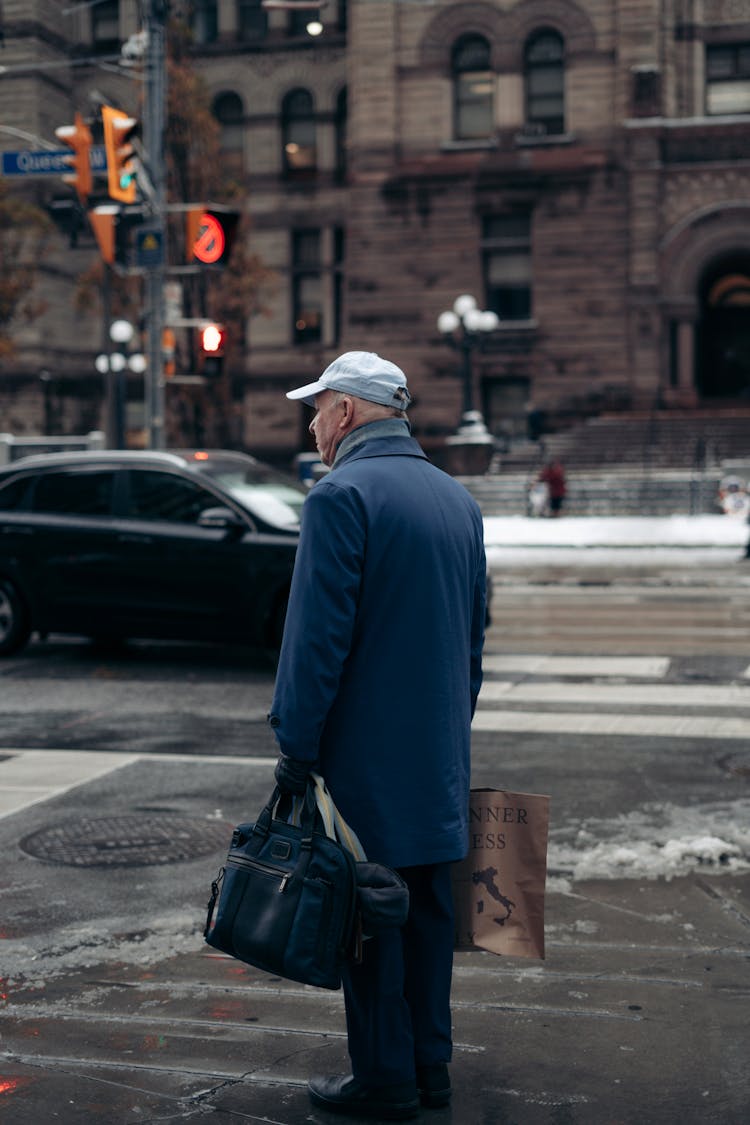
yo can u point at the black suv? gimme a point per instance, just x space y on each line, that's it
198 544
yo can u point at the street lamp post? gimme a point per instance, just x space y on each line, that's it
463 328
115 364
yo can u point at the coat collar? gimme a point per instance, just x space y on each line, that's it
377 439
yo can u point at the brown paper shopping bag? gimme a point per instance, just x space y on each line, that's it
498 890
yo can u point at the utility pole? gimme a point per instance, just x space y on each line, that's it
154 140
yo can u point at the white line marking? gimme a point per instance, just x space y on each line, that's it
653 667
641 695
28 777
659 726
35 776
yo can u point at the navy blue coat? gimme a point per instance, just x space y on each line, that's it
380 665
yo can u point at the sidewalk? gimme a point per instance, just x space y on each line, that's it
620 1025
585 541
112 1009
638 1016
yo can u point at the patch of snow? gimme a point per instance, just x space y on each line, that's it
658 841
615 531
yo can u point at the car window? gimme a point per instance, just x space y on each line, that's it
74 494
266 493
12 493
164 496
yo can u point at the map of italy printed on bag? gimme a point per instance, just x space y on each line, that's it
498 889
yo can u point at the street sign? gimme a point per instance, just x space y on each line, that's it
149 246
48 162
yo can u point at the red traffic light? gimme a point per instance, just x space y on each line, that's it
212 339
210 234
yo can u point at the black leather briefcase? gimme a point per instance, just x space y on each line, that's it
286 898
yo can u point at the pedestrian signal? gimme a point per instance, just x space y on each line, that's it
210 234
212 340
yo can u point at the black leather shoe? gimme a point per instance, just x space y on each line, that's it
344 1094
434 1085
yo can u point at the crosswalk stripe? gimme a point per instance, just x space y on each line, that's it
594 694
652 667
28 777
604 723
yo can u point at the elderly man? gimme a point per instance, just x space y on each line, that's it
378 677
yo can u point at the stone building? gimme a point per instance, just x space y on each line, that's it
582 167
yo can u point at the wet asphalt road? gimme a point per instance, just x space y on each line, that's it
623 695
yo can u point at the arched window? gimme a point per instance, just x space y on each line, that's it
298 133
341 113
473 88
229 112
544 79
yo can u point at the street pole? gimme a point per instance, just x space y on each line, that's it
467 345
154 138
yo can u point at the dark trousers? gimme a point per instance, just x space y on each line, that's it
398 999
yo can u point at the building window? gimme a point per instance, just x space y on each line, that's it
473 86
340 126
252 20
544 79
105 23
228 111
205 21
298 133
728 78
506 252
307 286
301 19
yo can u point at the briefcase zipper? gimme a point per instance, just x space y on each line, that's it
275 872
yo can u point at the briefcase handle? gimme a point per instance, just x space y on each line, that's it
304 811
333 822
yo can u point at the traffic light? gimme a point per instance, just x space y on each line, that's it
168 350
121 158
79 138
210 234
212 340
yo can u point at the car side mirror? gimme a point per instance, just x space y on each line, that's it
220 519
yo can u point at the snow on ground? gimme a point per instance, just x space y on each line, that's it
630 540
658 840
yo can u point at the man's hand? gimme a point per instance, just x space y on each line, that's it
291 775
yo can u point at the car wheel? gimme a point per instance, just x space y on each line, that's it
15 626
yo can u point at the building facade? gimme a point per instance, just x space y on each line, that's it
582 167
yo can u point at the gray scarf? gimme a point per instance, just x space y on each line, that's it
383 427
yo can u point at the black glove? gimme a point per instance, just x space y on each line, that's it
291 775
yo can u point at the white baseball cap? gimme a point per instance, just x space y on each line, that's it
362 374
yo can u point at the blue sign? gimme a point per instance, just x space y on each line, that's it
149 247
49 162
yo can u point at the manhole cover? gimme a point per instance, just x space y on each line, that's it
127 841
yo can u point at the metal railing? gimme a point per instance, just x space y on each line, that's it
14 448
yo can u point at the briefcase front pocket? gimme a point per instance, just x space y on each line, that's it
260 910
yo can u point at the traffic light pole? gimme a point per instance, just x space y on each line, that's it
154 138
